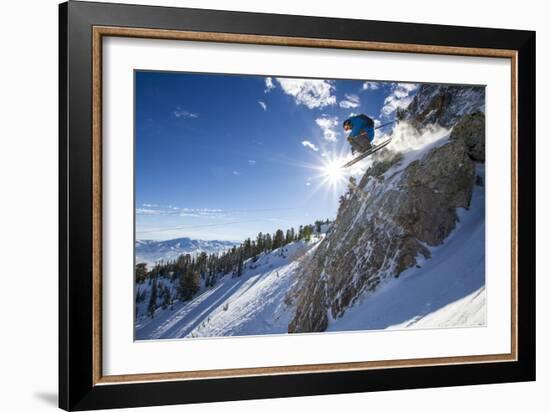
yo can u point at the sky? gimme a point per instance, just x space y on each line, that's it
223 157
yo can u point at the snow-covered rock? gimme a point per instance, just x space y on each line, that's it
446 290
406 203
443 104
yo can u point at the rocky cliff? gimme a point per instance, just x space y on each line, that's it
405 203
443 104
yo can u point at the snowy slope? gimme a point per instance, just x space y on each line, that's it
448 290
252 304
445 290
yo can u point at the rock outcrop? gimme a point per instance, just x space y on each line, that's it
443 104
471 130
400 208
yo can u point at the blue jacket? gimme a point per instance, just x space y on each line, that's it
359 125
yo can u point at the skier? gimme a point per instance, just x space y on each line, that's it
362 132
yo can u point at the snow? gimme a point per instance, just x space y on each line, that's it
414 144
411 143
253 304
447 290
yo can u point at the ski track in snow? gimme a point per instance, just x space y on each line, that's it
252 304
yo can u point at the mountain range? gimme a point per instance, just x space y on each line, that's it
152 251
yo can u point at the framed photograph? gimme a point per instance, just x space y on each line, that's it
256 205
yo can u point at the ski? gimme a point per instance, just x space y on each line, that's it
372 150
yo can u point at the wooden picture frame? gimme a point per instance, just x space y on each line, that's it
82 384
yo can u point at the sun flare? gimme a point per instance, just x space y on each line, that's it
330 177
333 171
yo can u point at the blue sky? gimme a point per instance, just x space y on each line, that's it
225 157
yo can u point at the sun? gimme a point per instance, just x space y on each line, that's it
332 171
331 176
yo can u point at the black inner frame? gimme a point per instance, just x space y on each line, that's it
76 388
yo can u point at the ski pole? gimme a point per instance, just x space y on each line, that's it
385 124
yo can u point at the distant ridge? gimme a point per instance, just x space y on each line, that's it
151 251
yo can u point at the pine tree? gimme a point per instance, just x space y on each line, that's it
247 248
288 237
268 242
153 299
201 263
307 232
141 272
260 244
190 284
165 297
318 224
278 239
240 265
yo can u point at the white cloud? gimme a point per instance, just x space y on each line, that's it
370 86
400 93
185 114
264 106
308 183
408 86
140 211
210 213
156 210
311 93
236 173
252 162
308 144
392 103
328 125
268 84
400 97
350 101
